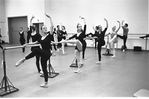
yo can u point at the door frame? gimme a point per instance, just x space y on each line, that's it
9 26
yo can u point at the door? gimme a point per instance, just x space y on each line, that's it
38 27
14 25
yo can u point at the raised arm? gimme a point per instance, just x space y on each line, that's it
118 27
51 22
31 24
123 24
83 19
106 22
84 24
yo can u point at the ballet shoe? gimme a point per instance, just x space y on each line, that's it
77 71
45 85
98 62
19 62
113 56
40 72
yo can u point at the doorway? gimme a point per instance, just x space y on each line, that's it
38 27
14 24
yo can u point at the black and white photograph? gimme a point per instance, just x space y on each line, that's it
74 49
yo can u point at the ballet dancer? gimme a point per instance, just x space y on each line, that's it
44 53
54 39
64 35
113 40
96 29
125 35
22 38
80 35
100 38
35 37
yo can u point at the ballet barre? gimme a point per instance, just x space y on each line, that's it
6 87
16 47
65 41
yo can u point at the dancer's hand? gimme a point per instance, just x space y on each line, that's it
47 15
118 21
81 17
32 17
24 45
105 19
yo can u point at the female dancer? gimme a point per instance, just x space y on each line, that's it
22 38
80 37
113 39
44 53
100 38
35 37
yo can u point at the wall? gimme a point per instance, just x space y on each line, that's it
16 8
2 19
67 12
134 12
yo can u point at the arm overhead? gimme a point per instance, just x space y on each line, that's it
51 22
118 27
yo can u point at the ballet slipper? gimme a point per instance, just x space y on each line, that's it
20 62
45 85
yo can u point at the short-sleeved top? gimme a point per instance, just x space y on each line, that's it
125 31
81 36
46 43
100 37
35 38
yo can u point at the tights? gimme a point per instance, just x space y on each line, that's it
45 55
99 51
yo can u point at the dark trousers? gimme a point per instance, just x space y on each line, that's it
83 49
124 40
96 43
38 63
99 51
59 45
37 58
44 58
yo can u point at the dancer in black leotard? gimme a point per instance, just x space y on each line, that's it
80 36
100 38
35 37
44 53
22 38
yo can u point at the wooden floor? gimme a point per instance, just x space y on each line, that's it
121 76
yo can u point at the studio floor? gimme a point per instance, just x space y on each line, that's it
121 76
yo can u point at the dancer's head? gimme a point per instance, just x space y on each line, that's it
113 28
33 28
79 28
44 29
21 28
100 27
126 25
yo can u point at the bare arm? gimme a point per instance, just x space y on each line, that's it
51 22
118 27
31 24
106 23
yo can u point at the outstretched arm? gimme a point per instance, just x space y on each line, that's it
51 22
